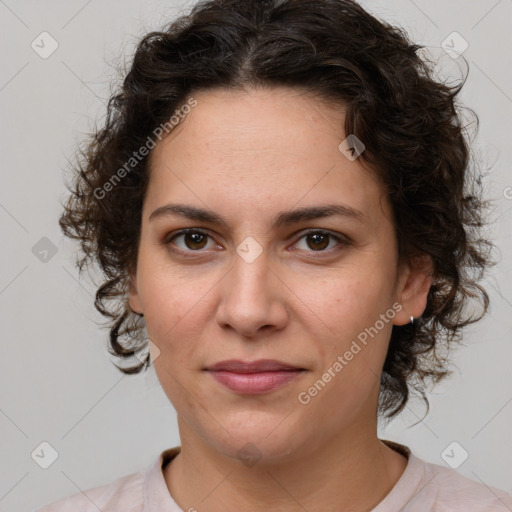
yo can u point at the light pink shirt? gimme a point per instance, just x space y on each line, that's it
423 487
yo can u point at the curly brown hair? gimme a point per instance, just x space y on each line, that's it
409 121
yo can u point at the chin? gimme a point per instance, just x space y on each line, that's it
264 441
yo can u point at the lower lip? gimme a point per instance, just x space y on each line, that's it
254 383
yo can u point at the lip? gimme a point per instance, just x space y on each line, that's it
254 377
261 365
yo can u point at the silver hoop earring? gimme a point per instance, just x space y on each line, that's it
412 319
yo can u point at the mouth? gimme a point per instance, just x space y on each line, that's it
254 377
261 365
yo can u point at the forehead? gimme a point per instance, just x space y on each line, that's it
268 148
264 120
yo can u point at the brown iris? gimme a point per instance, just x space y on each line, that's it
318 238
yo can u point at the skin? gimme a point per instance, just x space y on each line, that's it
247 156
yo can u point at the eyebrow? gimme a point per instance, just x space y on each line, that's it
286 217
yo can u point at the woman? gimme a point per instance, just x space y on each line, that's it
281 203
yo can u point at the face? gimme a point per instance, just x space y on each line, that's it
253 281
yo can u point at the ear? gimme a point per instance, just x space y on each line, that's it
133 295
414 281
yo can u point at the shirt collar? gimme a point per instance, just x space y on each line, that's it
157 497
156 494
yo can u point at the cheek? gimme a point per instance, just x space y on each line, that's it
178 306
352 300
168 304
167 292
351 306
171 310
351 356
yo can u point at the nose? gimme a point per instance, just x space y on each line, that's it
253 298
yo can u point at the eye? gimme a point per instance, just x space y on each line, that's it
318 241
193 240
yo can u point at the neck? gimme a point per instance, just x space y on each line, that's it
349 473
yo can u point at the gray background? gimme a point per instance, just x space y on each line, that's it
57 383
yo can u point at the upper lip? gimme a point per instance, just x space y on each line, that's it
261 365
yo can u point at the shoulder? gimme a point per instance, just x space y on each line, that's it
429 487
122 495
447 490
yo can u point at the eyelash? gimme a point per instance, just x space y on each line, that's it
342 241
